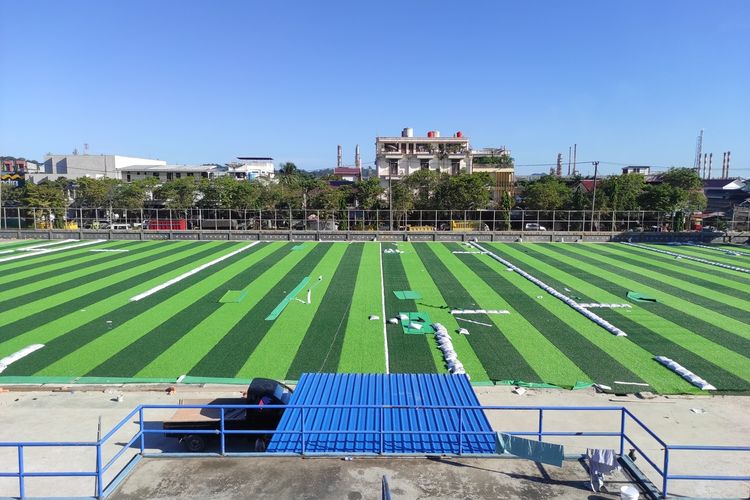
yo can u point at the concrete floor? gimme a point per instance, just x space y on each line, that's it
318 478
72 414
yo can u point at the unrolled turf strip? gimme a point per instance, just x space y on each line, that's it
699 253
742 259
597 363
66 278
80 300
406 353
229 355
67 342
364 347
130 360
677 287
735 341
638 332
675 269
321 346
703 269
501 360
25 274
76 248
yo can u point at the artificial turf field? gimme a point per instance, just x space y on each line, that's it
248 315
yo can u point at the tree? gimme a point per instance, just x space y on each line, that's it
367 193
46 198
96 193
506 204
178 194
548 193
463 191
423 184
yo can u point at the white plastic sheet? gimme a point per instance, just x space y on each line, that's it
685 373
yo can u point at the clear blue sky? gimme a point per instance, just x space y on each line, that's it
193 82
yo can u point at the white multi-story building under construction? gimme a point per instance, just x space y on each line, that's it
397 157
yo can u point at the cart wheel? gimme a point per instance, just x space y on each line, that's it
194 443
260 445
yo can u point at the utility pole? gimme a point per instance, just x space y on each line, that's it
593 200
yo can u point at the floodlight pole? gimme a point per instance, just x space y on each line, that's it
593 200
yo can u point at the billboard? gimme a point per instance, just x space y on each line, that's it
13 179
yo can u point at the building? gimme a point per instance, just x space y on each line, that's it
723 194
347 174
497 163
252 167
396 157
636 169
166 172
96 166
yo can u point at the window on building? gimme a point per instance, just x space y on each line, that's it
455 167
393 167
204 175
190 174
156 174
424 164
169 176
178 175
128 177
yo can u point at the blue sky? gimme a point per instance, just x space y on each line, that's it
190 82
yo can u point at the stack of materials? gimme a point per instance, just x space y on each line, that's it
446 346
685 373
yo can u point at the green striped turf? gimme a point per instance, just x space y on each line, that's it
704 269
321 347
67 342
500 359
406 353
550 364
642 328
701 321
11 269
434 304
701 253
56 282
43 257
21 276
276 351
597 363
364 348
742 259
227 357
147 347
56 307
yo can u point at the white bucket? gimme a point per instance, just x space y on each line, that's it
629 493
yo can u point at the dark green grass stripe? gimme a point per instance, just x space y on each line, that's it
60 258
589 357
41 259
699 326
406 353
229 355
685 275
75 339
74 281
151 345
20 326
637 332
66 264
500 359
648 255
320 349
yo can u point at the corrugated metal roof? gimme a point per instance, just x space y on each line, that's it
422 392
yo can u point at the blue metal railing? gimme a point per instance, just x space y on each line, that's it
102 470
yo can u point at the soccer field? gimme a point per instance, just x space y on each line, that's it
113 311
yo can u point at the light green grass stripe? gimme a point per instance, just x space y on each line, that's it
276 351
621 251
196 343
74 274
628 353
363 350
30 308
550 364
113 341
64 324
742 257
731 325
42 258
731 361
702 253
708 269
83 258
431 303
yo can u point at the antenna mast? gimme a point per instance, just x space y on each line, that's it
698 151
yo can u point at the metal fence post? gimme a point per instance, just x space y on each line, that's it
541 423
140 422
21 482
622 431
222 439
99 485
665 472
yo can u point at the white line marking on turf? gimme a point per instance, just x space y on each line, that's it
109 250
50 250
6 361
37 247
190 273
6 251
382 300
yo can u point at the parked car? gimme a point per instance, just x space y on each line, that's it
533 226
